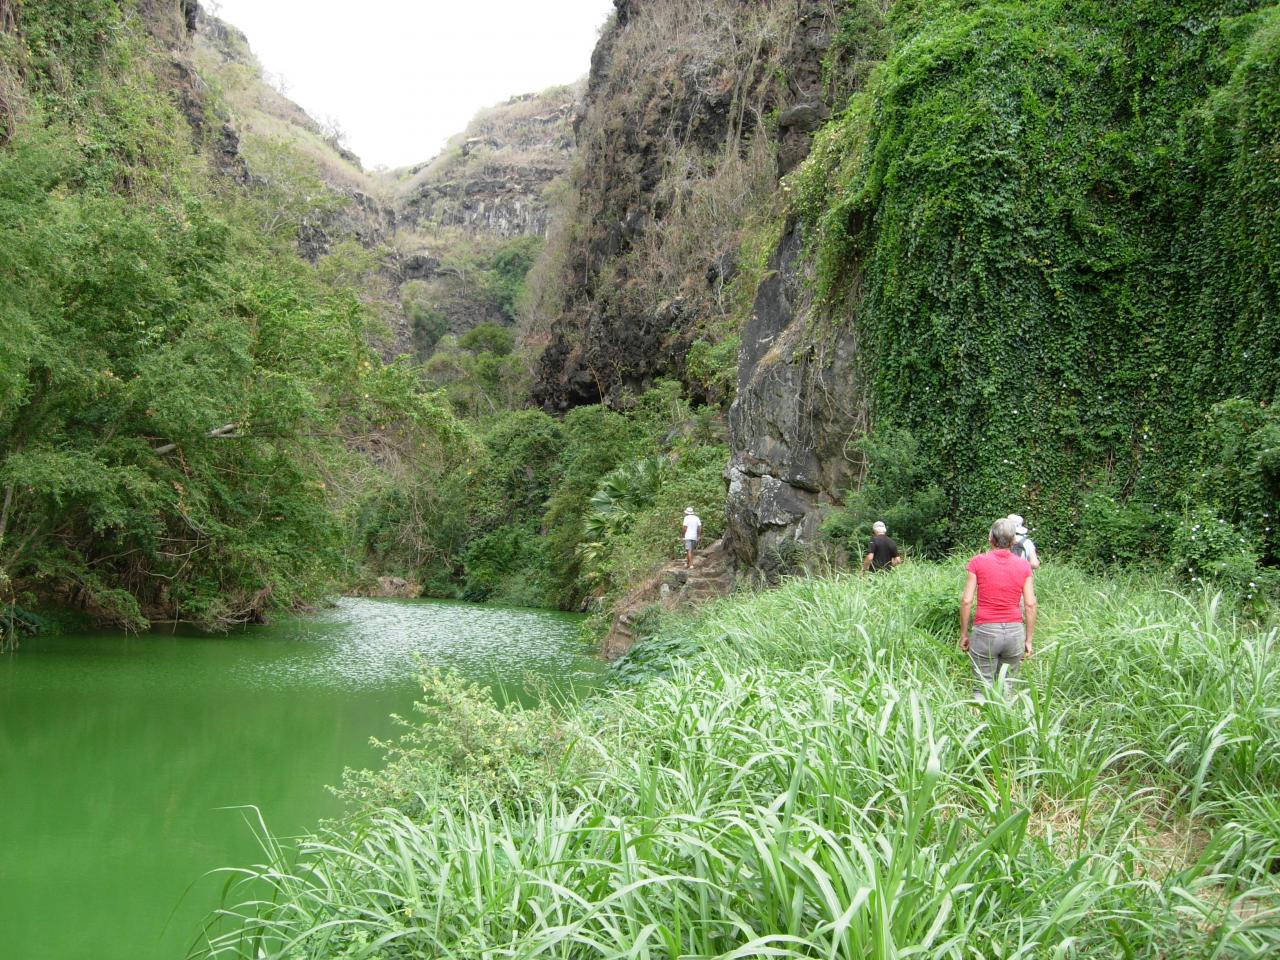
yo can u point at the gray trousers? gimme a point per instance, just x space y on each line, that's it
996 645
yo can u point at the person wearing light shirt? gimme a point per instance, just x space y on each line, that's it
691 533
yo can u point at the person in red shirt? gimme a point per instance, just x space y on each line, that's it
998 581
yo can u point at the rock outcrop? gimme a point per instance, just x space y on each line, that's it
678 94
798 408
493 177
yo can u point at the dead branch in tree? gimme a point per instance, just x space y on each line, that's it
217 433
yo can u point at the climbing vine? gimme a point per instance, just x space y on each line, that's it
1056 225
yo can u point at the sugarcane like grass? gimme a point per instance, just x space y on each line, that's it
813 779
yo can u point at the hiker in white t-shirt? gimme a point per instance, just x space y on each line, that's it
1023 545
691 533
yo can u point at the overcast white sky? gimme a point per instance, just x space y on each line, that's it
402 76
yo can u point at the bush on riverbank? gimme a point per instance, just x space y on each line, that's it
808 779
186 406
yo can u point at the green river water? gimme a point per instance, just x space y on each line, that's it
123 758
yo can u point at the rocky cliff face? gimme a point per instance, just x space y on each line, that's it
484 197
692 111
493 177
798 407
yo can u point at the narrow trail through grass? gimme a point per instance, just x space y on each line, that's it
803 773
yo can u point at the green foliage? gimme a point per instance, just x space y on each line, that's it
807 776
1207 548
509 267
65 40
478 382
899 489
624 494
1119 532
464 744
861 41
1055 227
634 524
1240 470
488 338
176 386
1228 535
713 366
598 440
547 512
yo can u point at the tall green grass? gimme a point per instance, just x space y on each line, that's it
811 779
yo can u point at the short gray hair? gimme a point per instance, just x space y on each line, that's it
879 527
1003 532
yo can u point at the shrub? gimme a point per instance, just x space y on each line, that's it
1118 532
1208 549
503 565
463 743
899 489
1240 470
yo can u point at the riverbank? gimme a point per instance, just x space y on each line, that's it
800 772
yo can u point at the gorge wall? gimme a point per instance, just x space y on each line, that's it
679 257
1022 234
422 239
485 200
691 112
494 176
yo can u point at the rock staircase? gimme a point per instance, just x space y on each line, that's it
710 576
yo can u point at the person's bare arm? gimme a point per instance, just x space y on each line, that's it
896 560
966 608
866 562
1029 602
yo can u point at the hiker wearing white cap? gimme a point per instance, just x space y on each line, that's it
882 552
691 533
1023 546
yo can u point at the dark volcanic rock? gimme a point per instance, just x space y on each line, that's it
797 409
645 113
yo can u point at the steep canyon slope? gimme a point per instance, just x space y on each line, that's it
1039 238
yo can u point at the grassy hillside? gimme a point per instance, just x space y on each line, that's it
802 773
263 116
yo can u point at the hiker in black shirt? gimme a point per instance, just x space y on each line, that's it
882 552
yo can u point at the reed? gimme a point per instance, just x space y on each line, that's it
811 779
